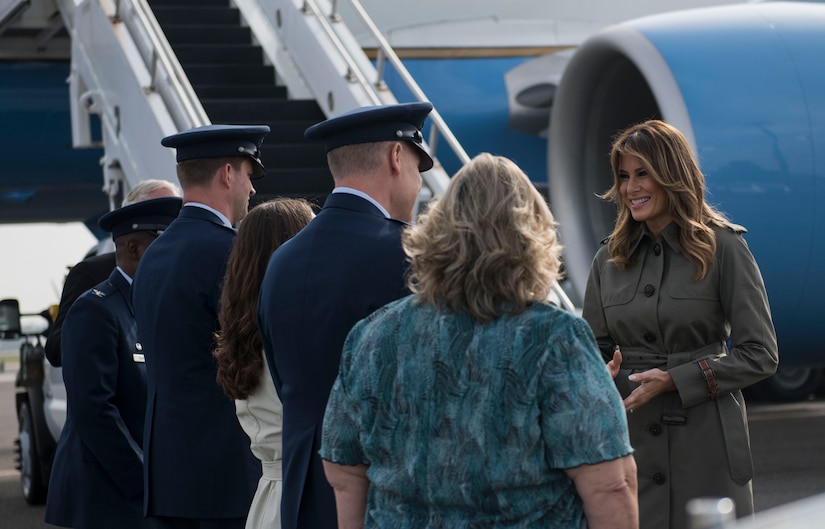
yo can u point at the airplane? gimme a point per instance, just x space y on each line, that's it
88 89
741 80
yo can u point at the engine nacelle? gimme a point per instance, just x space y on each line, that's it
746 85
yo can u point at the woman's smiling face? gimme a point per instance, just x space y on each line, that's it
642 194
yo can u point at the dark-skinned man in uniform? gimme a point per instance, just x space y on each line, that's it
97 477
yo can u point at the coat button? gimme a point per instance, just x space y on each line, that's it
650 337
659 478
657 248
649 290
656 430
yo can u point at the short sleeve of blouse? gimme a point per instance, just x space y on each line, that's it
583 419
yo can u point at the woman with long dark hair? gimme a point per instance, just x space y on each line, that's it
242 370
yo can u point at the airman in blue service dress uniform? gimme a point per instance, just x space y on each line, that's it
97 477
199 470
345 264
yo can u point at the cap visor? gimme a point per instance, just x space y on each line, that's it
425 161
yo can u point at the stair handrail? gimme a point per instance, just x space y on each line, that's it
386 52
11 12
159 53
354 72
123 70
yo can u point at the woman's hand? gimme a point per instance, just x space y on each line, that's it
614 364
652 382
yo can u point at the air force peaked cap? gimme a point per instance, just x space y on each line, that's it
218 141
153 215
402 122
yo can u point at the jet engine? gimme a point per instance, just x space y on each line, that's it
746 85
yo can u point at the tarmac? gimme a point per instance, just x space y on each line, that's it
786 441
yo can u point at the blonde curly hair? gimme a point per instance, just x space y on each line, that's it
488 246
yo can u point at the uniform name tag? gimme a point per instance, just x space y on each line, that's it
138 357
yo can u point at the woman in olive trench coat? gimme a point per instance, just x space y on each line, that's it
674 281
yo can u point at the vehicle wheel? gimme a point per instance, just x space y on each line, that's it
31 478
789 384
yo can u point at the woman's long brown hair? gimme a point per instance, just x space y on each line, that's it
239 350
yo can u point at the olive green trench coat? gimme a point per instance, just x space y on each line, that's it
692 442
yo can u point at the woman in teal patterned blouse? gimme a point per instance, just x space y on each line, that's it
474 403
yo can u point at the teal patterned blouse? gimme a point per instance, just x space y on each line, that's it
470 425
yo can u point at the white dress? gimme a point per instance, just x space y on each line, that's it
261 417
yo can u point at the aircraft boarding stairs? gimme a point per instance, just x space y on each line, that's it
144 70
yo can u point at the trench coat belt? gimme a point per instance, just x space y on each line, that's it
271 470
642 359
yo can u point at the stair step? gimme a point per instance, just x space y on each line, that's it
190 3
231 74
233 91
197 34
193 54
203 15
217 97
296 182
289 132
245 109
292 155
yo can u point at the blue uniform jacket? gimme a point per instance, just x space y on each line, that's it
83 276
345 264
198 463
97 477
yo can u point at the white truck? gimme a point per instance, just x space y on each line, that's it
40 401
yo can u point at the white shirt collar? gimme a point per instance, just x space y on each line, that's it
220 215
124 274
363 195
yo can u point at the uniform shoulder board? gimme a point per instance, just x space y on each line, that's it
736 228
98 293
605 240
